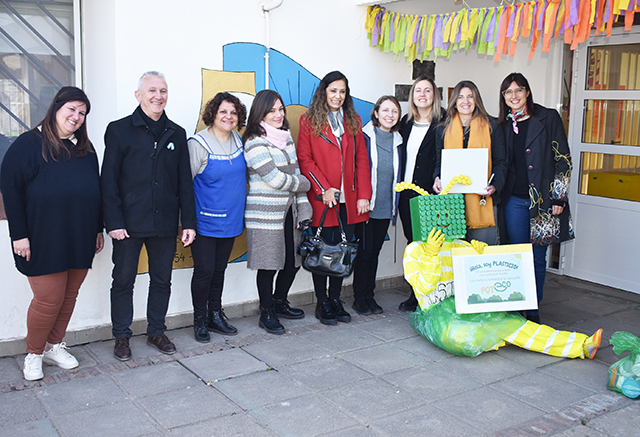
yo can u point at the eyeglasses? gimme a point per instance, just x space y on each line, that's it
509 93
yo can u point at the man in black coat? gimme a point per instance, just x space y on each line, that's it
146 186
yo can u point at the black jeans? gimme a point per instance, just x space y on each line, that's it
126 253
286 276
404 210
331 235
365 267
210 259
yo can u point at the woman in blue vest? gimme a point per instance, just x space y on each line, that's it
220 186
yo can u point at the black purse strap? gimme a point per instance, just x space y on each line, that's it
324 215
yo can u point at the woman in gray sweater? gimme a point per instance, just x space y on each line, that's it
277 207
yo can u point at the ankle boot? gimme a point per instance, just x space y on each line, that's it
218 323
284 310
360 306
341 314
410 304
373 305
269 321
200 331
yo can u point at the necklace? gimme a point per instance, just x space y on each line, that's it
229 143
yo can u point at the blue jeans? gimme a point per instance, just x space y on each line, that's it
126 253
517 219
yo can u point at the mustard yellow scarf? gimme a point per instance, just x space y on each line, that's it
478 216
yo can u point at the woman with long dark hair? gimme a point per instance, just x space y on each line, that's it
219 184
51 190
468 125
333 156
383 143
418 152
534 207
277 208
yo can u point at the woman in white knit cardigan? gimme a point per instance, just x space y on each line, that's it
277 208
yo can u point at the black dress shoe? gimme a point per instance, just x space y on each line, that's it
284 310
360 306
218 323
410 304
269 321
162 343
200 330
121 350
373 305
325 314
341 314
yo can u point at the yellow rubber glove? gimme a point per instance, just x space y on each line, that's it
434 242
478 246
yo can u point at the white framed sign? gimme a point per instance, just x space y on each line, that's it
469 162
501 279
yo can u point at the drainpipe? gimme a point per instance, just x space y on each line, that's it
268 6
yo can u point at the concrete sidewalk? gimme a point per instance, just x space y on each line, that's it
373 376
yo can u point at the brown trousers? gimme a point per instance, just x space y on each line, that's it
54 297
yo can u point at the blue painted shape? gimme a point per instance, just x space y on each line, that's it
295 83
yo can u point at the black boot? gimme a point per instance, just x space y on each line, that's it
325 314
269 321
284 310
218 323
373 305
410 304
200 330
360 306
341 314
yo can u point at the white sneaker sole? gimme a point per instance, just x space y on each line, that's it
62 366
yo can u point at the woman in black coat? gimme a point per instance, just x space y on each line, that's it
51 192
534 207
417 152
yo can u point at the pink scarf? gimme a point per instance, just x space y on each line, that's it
277 137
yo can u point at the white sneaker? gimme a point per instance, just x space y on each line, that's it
33 367
58 356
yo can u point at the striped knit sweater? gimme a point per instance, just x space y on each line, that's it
275 184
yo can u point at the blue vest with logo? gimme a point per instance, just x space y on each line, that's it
221 192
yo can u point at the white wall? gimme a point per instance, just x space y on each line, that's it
122 39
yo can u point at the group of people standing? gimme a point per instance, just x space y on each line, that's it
154 179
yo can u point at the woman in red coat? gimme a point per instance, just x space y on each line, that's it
333 156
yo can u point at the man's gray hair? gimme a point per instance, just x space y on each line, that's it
149 73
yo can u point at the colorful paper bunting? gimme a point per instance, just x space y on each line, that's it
495 31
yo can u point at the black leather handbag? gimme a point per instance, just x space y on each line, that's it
325 259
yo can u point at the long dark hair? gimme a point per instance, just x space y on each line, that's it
52 144
318 112
506 83
478 112
260 107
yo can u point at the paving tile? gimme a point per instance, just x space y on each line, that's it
388 328
346 339
546 392
629 315
354 431
609 325
147 380
599 305
305 415
287 350
223 364
488 409
187 405
250 391
20 406
233 425
10 369
622 423
581 431
430 381
324 373
421 421
561 313
35 428
585 373
121 419
103 350
80 394
382 358
371 399
524 357
485 368
422 347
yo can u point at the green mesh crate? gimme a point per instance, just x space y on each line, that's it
444 212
